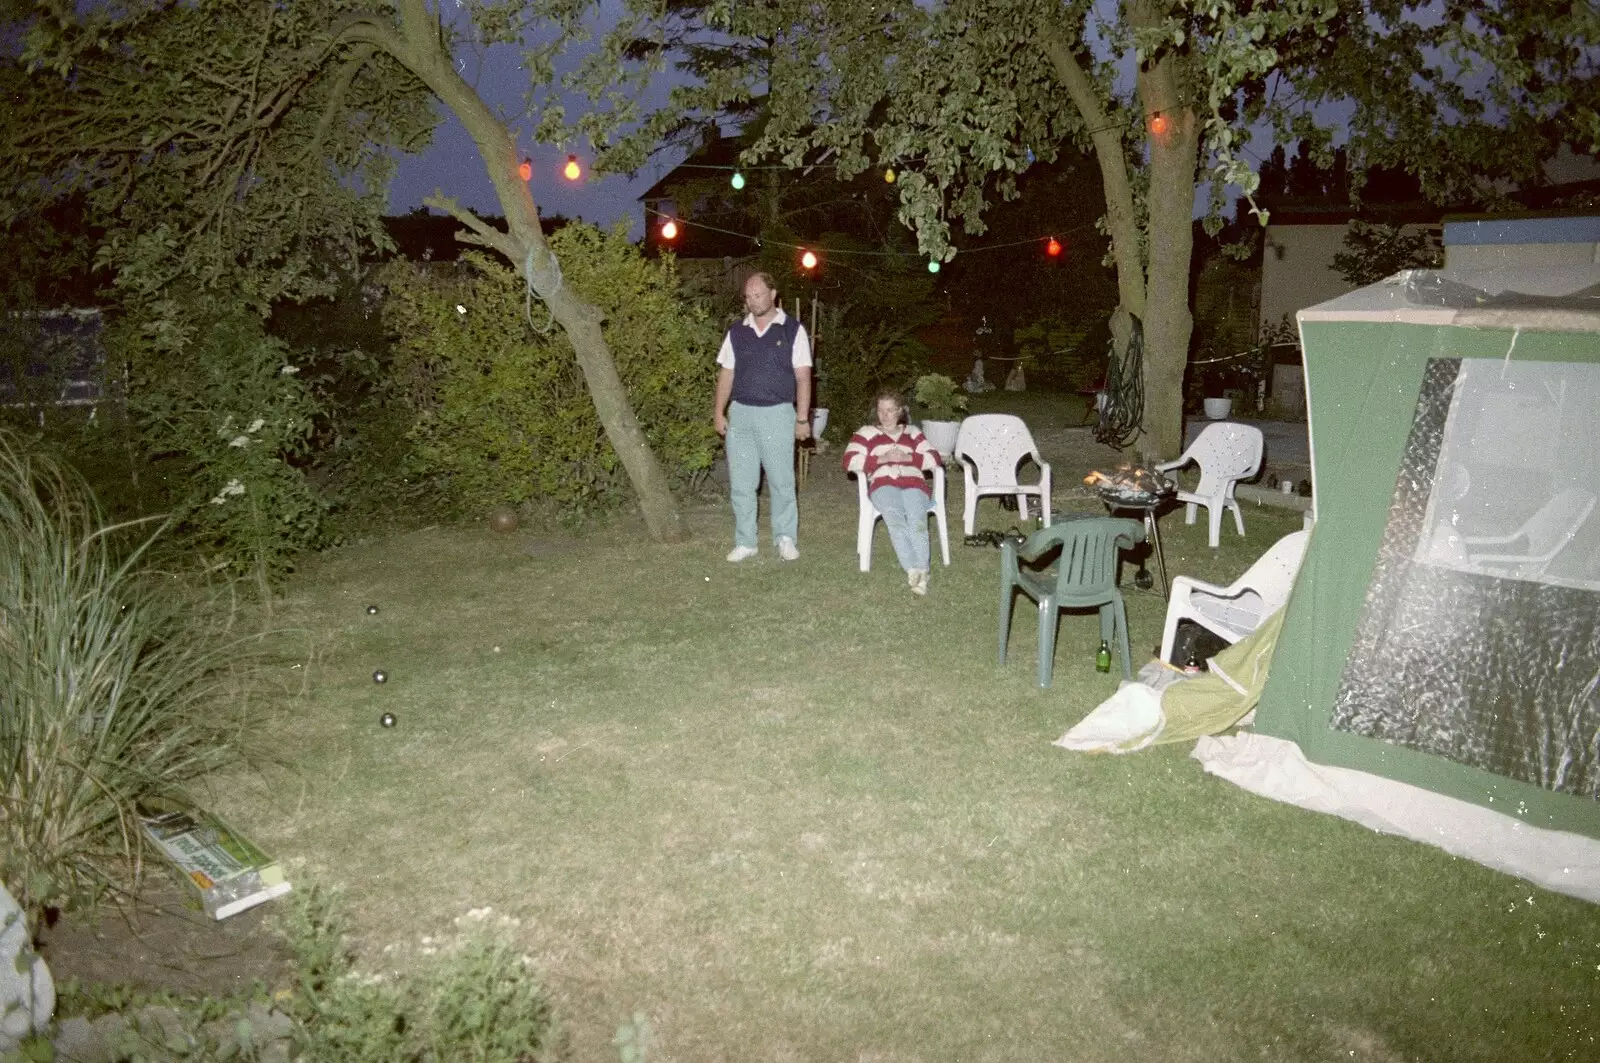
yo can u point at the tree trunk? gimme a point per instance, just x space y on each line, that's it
1174 139
418 47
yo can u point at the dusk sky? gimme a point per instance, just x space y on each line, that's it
452 163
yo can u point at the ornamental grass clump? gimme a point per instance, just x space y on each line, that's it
115 685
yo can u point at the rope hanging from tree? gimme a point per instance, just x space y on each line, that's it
527 308
1122 400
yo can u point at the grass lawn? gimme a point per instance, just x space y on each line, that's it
792 812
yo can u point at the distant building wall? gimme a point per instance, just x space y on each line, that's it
1297 268
1519 243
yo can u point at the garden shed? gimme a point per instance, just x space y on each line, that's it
1438 672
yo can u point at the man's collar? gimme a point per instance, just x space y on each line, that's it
778 318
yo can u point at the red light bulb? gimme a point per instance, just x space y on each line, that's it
669 230
1159 125
808 260
525 171
1053 247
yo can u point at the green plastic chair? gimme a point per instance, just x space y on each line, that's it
1085 577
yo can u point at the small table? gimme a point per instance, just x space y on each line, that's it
803 449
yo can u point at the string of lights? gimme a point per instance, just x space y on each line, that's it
1053 243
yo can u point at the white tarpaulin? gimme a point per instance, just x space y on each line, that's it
1274 767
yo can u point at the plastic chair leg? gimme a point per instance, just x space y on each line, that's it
1008 594
1022 507
1188 512
1214 524
1121 624
1238 515
1047 641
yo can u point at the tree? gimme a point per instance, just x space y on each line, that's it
243 145
1373 251
961 95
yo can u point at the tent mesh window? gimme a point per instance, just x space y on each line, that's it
1479 639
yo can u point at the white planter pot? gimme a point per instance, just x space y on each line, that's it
1218 409
819 422
942 434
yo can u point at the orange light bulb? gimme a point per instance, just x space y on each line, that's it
669 230
1159 124
572 171
525 171
808 260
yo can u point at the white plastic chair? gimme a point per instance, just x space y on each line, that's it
1234 611
1546 533
868 515
1226 453
990 446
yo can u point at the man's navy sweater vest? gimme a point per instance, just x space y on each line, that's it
763 366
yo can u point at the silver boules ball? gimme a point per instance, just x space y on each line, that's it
372 610
380 676
387 719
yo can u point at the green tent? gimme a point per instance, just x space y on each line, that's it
1444 631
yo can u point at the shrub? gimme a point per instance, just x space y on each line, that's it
500 409
475 1001
938 398
111 687
223 416
855 361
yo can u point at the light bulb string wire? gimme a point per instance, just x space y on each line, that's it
762 241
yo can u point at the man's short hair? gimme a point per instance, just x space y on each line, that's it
766 278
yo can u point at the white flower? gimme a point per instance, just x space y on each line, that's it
289 370
239 441
255 425
232 487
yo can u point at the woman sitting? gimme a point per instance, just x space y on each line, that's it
893 456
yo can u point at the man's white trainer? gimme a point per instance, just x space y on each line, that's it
742 553
787 549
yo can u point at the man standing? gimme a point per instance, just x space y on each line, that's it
766 370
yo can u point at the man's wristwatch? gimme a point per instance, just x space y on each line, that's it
802 420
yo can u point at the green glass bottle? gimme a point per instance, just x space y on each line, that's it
1102 657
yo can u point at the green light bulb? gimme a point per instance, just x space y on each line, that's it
933 265
738 180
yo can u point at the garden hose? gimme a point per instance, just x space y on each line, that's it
1122 402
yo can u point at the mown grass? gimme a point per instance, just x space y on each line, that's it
792 812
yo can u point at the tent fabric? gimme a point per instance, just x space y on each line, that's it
1273 767
1139 716
1395 661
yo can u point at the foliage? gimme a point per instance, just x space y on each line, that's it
476 1001
938 398
856 361
243 148
1057 345
961 96
499 410
222 143
113 686
1374 251
218 406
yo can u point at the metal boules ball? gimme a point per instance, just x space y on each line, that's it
380 676
503 520
372 610
387 719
